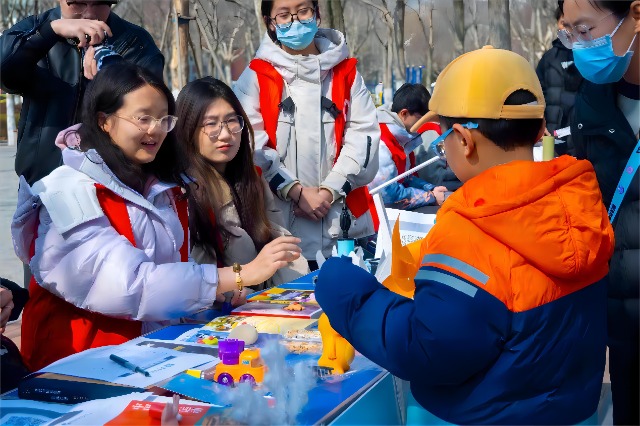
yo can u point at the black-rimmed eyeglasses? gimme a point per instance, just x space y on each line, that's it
285 19
79 7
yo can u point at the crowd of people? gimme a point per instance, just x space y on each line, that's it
136 209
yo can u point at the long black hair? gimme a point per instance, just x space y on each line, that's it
266 6
105 94
240 174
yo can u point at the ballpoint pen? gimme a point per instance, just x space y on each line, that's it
127 364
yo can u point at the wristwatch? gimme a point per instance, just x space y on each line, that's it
237 268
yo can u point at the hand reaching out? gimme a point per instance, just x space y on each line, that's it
438 192
273 256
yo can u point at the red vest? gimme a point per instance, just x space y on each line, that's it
430 125
53 328
271 85
398 155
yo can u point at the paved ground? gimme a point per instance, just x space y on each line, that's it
10 266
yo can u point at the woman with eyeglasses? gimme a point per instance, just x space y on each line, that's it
106 234
315 125
232 215
605 130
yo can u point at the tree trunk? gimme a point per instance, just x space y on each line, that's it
398 33
332 14
459 26
256 7
12 134
227 73
429 65
180 49
217 66
500 24
387 79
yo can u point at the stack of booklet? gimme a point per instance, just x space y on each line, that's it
281 302
94 374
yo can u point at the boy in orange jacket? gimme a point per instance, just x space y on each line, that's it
508 320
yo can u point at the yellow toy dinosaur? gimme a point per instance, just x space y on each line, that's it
337 353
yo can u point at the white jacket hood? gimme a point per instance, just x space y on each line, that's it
331 44
409 141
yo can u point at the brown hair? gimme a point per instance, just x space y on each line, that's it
246 185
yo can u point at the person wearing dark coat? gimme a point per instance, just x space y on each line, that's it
605 130
12 300
560 81
49 59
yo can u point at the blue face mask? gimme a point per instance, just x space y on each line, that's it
298 36
598 63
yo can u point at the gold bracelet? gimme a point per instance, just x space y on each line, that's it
237 268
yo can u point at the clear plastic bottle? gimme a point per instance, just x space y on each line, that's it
379 94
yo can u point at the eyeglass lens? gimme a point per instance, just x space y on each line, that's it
165 124
285 19
438 145
579 34
81 6
234 125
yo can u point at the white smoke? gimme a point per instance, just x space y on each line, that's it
287 389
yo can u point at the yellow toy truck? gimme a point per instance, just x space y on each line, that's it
238 364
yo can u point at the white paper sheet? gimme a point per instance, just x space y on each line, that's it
159 362
414 226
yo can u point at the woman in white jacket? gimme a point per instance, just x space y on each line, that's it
315 125
103 232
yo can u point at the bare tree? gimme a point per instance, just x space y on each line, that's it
156 17
12 12
223 35
459 26
332 13
180 47
473 27
398 35
425 17
261 26
359 33
533 25
387 43
393 43
499 22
